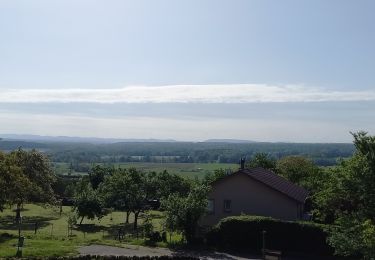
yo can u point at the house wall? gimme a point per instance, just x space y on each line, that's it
250 197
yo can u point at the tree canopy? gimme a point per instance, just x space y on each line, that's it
25 176
348 197
263 160
184 212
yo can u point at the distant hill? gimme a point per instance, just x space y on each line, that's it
86 151
69 139
231 141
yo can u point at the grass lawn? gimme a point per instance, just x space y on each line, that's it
52 238
191 170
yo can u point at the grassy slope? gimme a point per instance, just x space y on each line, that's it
52 240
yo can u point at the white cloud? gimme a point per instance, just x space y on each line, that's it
231 93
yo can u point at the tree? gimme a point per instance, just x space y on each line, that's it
114 190
88 203
129 190
183 213
168 183
14 185
216 175
36 167
97 174
301 171
261 160
350 195
25 176
353 236
139 191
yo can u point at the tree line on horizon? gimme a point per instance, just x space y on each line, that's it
83 154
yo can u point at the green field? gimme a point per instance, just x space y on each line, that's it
52 237
191 170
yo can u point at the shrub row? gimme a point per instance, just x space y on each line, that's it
245 232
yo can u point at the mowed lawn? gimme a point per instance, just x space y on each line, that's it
191 170
52 238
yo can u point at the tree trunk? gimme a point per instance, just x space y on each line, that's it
80 223
135 226
127 217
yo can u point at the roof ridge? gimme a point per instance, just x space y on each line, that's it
276 182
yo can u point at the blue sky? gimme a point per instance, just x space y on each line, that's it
299 71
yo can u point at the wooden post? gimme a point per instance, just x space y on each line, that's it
264 243
51 230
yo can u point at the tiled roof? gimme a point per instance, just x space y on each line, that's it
277 182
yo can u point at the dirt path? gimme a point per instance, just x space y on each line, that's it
130 250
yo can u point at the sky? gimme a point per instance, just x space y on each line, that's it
189 70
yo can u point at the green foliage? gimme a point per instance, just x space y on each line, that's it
352 236
87 203
216 175
148 228
245 232
25 176
168 183
64 186
180 152
97 174
261 160
347 198
36 167
298 170
184 212
351 185
114 190
130 190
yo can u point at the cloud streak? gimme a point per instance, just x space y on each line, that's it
193 129
231 94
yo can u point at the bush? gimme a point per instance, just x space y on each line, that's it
245 232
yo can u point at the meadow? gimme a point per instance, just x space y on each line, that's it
52 237
191 170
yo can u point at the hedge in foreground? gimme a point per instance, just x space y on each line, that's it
245 232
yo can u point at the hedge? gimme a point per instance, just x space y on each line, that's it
245 233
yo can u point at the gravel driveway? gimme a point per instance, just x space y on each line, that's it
130 250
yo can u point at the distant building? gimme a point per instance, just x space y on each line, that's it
255 192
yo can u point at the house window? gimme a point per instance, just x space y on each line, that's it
227 205
211 206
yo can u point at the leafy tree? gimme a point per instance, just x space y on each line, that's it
261 160
168 183
14 185
353 236
88 203
139 191
301 171
97 174
36 167
129 190
114 190
216 175
350 196
183 213
25 176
